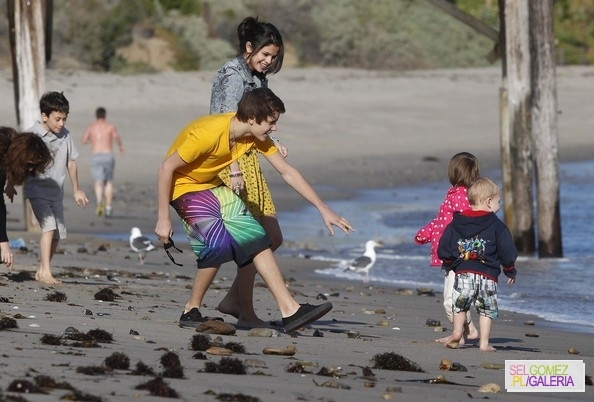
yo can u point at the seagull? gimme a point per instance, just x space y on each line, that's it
140 244
364 263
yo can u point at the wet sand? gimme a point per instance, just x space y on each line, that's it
346 130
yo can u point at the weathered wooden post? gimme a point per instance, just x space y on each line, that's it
544 128
28 62
521 218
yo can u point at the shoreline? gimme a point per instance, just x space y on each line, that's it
348 129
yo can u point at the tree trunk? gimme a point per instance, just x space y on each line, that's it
519 107
28 50
544 128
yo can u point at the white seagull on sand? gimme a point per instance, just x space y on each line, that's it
140 244
364 263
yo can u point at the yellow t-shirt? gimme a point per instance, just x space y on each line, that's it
204 146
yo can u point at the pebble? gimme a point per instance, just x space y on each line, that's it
288 351
573 351
216 327
262 332
219 351
490 388
432 323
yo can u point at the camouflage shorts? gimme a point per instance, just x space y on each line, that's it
469 288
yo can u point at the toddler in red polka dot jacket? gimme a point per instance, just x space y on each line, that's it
463 169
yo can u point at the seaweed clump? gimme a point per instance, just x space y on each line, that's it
158 387
56 296
117 361
172 366
394 361
7 323
227 365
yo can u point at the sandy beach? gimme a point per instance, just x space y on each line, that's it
346 130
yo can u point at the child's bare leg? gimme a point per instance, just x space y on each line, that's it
470 331
47 246
270 272
202 281
458 333
485 324
448 289
239 300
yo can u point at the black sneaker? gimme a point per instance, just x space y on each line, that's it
191 319
307 313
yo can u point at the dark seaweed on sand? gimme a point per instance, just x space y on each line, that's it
7 323
22 276
227 365
24 386
47 382
93 370
106 294
142 369
77 395
56 297
100 335
200 342
393 361
236 398
158 387
54 340
172 366
117 361
235 347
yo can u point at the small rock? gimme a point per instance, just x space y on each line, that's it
216 327
532 335
573 351
432 323
288 351
383 323
445 364
353 334
490 388
440 329
219 351
529 322
493 366
261 332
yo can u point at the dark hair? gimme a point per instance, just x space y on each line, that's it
260 34
463 169
54 102
259 104
26 156
100 113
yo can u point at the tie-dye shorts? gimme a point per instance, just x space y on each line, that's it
219 227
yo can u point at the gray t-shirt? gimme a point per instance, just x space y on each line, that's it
49 185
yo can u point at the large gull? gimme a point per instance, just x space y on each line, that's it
364 263
140 244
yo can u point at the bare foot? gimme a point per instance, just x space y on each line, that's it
487 348
445 339
47 279
227 310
